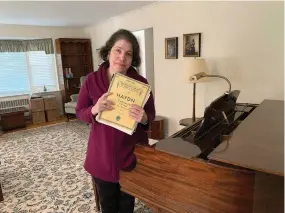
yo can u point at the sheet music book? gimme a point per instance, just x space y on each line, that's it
125 91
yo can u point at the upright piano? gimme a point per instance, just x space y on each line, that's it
230 161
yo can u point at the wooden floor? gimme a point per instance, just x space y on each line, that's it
31 125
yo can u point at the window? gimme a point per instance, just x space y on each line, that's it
26 73
42 70
14 78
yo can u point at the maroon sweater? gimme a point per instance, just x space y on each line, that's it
109 150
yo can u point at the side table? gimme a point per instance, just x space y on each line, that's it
188 121
156 128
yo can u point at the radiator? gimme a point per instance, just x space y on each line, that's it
14 101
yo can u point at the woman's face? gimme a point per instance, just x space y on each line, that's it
121 56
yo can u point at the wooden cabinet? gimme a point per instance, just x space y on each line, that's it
12 118
156 128
76 57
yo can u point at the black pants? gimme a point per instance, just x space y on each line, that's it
112 199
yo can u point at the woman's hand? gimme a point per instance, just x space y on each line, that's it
102 104
138 114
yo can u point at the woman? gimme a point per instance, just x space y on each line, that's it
110 150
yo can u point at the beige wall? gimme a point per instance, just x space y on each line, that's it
22 31
241 40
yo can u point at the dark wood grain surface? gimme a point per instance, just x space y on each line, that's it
174 184
13 118
171 184
1 194
76 54
258 142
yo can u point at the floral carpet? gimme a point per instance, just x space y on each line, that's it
42 171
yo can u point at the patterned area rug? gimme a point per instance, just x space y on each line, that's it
42 171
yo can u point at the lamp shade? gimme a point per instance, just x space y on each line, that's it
195 66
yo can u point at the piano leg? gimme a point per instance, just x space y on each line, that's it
268 193
1 194
156 209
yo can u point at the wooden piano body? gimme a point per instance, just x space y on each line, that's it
242 176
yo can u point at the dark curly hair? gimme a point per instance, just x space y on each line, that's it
126 35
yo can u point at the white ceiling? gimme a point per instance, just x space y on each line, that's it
64 13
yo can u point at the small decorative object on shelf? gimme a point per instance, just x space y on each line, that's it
68 73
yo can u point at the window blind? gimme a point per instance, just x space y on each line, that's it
14 78
41 68
26 73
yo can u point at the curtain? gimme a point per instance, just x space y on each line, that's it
27 45
11 46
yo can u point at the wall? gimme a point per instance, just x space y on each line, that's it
22 31
145 40
149 58
241 40
140 35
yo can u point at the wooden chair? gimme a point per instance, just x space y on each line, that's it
96 195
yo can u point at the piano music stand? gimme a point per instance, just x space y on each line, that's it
217 111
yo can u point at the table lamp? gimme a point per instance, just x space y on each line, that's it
196 66
201 75
197 72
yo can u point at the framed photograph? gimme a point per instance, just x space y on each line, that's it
192 45
171 48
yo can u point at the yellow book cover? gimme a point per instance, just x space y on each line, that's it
125 91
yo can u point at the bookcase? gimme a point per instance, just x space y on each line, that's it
75 55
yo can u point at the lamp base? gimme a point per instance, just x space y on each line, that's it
188 121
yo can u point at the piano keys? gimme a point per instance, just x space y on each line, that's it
230 161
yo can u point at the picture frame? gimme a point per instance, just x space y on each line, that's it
171 48
192 45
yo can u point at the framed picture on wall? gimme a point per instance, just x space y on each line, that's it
192 45
171 48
